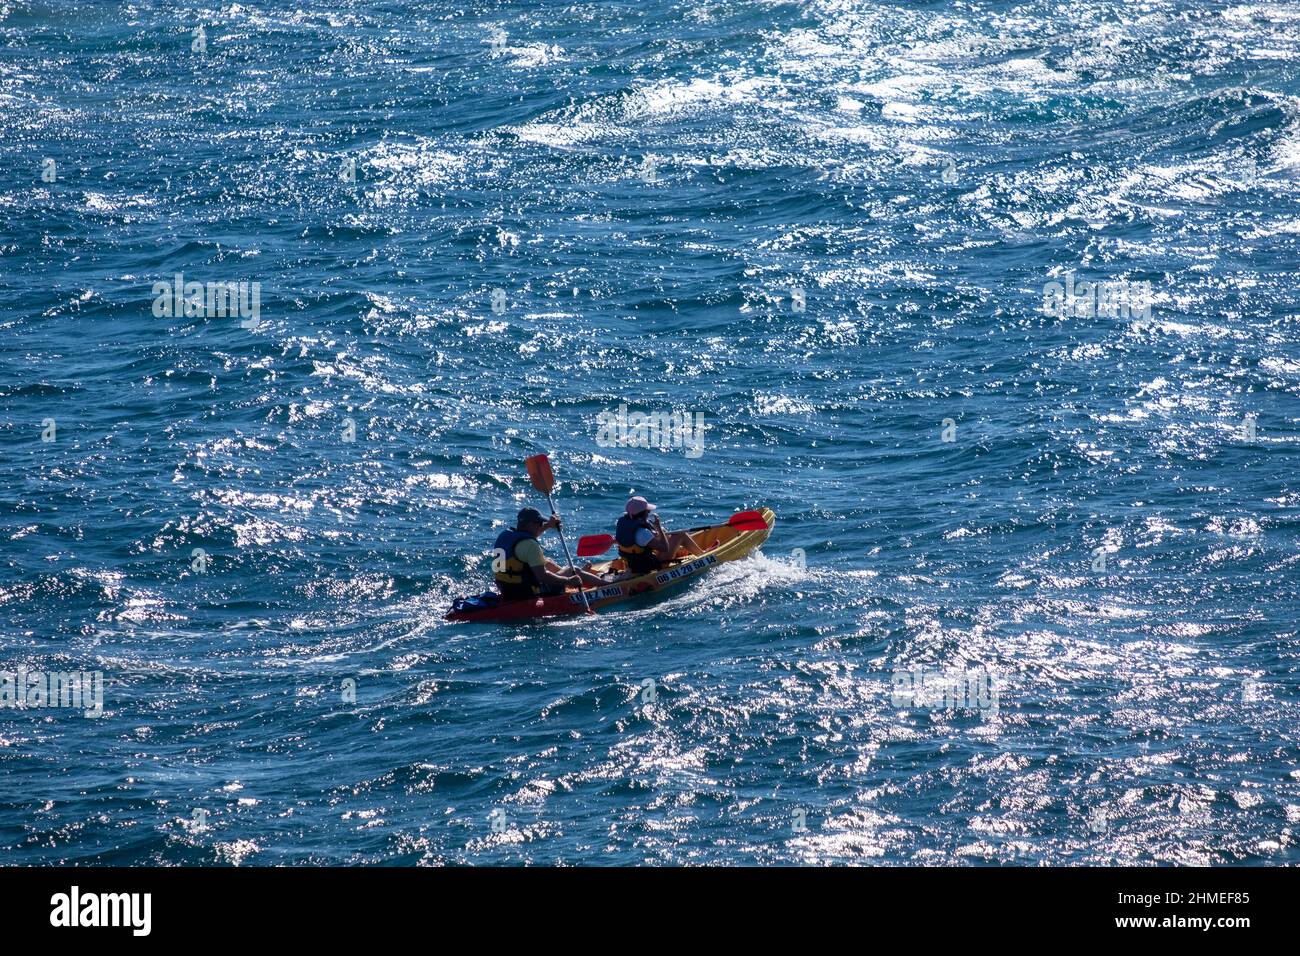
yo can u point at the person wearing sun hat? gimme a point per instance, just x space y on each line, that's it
643 543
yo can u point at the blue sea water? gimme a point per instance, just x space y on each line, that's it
825 226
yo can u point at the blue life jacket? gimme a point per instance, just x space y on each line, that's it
515 578
639 559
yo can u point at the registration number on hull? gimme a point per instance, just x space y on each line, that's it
685 569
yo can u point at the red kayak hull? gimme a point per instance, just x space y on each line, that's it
554 606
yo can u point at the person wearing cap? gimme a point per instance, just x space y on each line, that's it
520 567
643 544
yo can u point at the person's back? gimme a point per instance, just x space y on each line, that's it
634 537
515 554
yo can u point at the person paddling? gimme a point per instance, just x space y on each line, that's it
520 567
643 544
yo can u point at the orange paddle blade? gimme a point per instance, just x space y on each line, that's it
539 470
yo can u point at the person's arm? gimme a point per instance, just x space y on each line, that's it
531 553
546 570
661 536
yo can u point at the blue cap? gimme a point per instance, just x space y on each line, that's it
529 516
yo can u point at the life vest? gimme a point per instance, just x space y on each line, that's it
639 560
516 579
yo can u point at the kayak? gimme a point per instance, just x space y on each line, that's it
721 543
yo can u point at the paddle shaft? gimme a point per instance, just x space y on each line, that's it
569 557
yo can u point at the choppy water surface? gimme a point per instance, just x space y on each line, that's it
825 226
